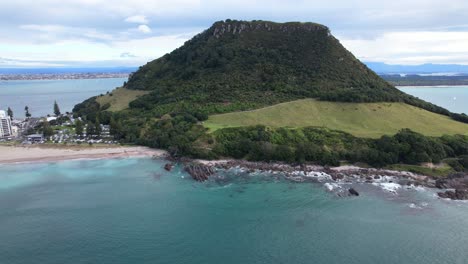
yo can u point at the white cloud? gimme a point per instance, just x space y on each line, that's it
412 47
140 19
398 31
144 29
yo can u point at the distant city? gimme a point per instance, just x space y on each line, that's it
10 74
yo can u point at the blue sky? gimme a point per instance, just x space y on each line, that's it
51 33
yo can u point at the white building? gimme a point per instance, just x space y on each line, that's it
5 125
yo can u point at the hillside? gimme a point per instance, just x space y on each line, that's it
359 119
240 65
309 100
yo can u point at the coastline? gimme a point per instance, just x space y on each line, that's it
33 154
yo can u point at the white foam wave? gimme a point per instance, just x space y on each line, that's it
389 186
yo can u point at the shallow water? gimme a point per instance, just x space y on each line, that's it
132 211
39 95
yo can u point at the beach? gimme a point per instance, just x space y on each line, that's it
20 154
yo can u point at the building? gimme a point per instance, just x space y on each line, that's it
5 125
35 138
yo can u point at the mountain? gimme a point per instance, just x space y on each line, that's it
239 65
268 69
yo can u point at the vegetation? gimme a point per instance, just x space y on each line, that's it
237 66
359 119
118 99
26 112
10 113
437 171
417 80
56 109
329 146
79 127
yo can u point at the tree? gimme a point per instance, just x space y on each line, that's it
79 127
90 129
47 129
26 110
115 128
98 127
10 112
56 109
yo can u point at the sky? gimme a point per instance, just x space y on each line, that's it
95 33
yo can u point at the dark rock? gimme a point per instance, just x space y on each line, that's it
458 194
199 172
168 166
377 177
441 184
353 192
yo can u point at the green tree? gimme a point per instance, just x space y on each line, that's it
90 129
115 128
97 129
47 130
10 112
56 109
26 112
79 127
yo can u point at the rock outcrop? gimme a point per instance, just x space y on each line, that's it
458 194
199 172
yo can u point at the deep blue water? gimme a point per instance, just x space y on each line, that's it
132 211
39 95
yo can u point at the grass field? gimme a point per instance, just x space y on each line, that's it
360 119
120 98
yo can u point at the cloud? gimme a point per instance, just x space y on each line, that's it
397 31
144 29
127 55
140 19
412 47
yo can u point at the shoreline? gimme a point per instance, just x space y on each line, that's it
454 187
37 154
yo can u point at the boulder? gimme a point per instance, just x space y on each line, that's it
168 166
458 194
353 192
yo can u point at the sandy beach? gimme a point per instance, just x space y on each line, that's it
19 154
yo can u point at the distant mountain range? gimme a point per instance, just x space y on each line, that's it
432 69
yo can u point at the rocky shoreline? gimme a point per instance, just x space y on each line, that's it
454 187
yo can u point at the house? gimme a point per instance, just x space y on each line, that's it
35 138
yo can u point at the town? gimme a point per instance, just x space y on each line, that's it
59 128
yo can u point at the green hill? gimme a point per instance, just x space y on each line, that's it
317 100
359 119
240 65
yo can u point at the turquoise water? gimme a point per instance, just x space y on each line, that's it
453 98
39 95
132 211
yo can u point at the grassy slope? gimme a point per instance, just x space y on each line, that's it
362 120
120 98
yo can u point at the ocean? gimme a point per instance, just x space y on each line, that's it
39 95
133 211
453 98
